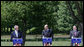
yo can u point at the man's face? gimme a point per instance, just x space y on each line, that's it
17 28
46 27
74 28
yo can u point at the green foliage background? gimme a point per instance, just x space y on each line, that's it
29 14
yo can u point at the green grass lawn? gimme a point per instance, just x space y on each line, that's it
55 43
39 43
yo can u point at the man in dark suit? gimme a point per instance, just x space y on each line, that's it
47 33
16 33
74 33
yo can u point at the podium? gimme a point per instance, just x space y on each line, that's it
17 40
76 40
45 40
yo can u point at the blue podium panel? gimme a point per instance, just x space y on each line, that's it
19 41
76 40
45 40
73 40
79 40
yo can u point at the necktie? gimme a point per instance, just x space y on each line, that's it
75 33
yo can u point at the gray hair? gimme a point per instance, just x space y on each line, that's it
15 26
46 25
74 26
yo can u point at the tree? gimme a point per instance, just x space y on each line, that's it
78 14
64 20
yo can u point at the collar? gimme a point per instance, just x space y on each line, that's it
47 29
16 31
75 30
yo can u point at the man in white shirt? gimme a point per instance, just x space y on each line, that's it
16 33
16 30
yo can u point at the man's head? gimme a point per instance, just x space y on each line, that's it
74 27
46 27
16 27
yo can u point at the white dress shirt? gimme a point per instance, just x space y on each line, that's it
16 32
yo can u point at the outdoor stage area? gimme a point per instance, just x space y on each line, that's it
31 40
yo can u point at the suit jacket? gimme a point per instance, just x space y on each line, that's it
78 34
13 35
47 33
